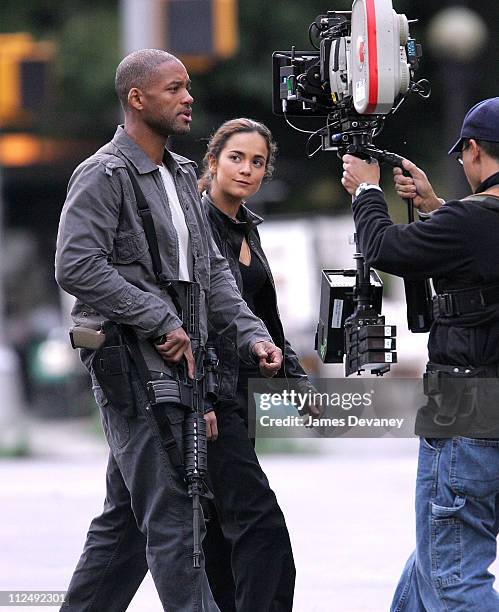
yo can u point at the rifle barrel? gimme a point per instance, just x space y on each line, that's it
196 522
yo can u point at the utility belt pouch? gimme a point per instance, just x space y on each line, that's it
111 366
163 391
452 392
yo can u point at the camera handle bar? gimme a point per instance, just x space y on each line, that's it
417 292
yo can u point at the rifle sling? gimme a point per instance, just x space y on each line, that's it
145 215
149 229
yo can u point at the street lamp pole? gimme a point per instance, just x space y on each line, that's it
456 36
12 430
143 24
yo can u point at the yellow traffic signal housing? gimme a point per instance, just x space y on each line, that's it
25 66
201 32
225 30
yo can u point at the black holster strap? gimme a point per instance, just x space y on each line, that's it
171 447
168 441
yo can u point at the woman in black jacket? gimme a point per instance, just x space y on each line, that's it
249 560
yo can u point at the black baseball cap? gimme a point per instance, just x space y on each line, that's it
481 123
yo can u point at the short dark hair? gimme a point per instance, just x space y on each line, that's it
218 140
136 70
490 148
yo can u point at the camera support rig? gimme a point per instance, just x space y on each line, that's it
417 292
368 342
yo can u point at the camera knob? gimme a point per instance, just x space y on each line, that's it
404 30
405 76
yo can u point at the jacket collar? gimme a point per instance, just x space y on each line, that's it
491 181
245 222
139 159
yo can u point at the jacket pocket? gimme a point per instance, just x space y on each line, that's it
129 247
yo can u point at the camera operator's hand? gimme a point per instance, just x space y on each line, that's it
416 187
174 346
357 171
269 357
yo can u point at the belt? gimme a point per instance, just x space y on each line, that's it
483 371
464 301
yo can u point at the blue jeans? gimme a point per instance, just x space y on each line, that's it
457 522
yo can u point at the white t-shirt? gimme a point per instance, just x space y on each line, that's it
178 219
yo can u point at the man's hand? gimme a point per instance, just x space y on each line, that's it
269 357
357 171
176 346
211 425
416 187
315 409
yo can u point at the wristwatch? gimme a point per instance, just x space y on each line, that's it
364 187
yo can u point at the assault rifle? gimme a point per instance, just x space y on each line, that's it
193 395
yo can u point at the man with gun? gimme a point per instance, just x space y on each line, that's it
457 490
131 228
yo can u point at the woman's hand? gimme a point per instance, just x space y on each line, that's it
269 358
211 426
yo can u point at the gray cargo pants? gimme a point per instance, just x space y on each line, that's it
143 490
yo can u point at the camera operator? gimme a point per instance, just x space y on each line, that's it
457 490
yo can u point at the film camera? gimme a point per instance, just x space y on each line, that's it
359 72
362 66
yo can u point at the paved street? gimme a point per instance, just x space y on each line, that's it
349 511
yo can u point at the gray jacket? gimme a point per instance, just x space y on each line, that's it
103 259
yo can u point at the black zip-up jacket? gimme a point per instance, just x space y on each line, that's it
458 247
228 235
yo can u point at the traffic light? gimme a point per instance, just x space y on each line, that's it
25 75
200 32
